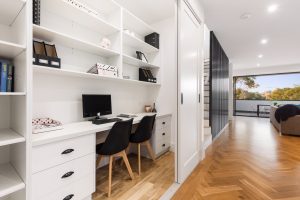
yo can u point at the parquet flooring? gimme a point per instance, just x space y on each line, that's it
155 179
249 161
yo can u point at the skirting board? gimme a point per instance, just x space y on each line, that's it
170 192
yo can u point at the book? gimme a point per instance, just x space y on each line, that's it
9 82
3 74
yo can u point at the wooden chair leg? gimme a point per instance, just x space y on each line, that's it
150 150
124 156
110 175
139 158
127 150
98 160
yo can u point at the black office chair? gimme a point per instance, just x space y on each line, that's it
142 136
114 146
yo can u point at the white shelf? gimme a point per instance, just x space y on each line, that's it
9 10
138 63
138 44
12 93
10 50
10 181
81 17
49 35
63 72
8 136
133 23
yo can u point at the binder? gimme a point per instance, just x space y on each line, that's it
9 83
146 75
3 77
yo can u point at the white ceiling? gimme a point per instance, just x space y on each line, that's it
241 38
150 11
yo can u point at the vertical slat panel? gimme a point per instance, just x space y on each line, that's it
219 87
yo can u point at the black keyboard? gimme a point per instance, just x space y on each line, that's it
105 121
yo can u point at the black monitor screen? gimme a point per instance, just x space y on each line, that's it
94 104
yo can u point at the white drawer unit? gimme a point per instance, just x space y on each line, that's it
161 139
53 154
53 179
78 190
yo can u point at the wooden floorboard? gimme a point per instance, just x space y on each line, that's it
249 161
154 181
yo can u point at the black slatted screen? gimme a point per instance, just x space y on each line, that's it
219 83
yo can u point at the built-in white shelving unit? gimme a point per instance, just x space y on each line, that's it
138 63
70 41
8 136
10 180
10 50
139 44
71 73
14 127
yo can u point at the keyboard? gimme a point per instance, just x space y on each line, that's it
126 116
106 121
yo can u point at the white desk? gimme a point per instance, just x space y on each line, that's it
79 129
79 140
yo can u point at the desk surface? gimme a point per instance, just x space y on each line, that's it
79 129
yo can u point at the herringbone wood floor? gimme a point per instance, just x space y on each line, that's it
249 161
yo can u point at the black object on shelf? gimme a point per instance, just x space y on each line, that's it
45 55
36 15
146 75
153 39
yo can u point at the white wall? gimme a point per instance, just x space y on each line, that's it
166 100
59 97
206 43
267 70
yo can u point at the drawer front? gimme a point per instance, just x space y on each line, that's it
48 181
75 191
163 134
161 146
162 123
53 154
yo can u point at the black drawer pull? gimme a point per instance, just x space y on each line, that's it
69 197
164 134
164 145
68 174
164 123
67 151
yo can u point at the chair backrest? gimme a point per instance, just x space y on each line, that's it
145 128
118 138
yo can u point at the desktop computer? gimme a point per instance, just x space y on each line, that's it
97 106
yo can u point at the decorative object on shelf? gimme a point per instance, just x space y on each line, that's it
154 109
105 43
141 56
36 4
41 125
82 7
6 76
148 108
146 75
45 55
153 39
129 32
104 70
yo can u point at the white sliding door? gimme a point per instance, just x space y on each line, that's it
189 64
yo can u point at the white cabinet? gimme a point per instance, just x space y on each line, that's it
65 169
161 138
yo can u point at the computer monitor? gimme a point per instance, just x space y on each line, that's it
96 105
